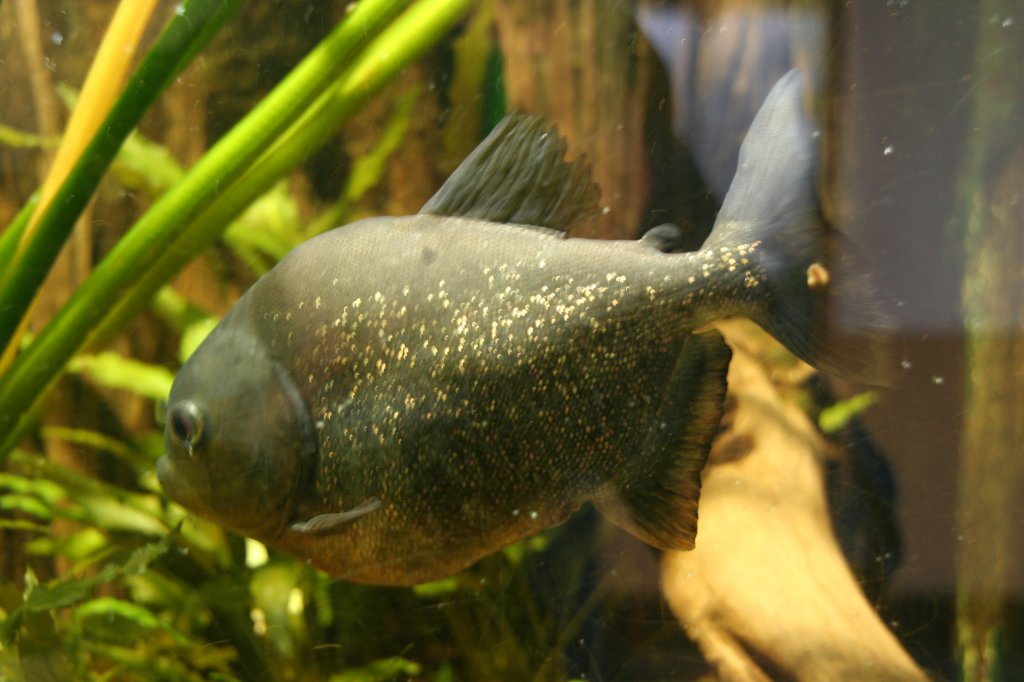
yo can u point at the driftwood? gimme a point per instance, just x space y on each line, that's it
583 66
767 594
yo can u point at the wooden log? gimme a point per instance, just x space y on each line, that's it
583 64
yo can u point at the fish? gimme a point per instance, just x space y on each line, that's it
403 396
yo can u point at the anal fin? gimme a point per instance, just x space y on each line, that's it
661 508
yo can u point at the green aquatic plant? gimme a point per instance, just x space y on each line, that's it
145 589
358 58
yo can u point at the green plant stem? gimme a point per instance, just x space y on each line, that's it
403 42
41 363
187 220
184 34
12 233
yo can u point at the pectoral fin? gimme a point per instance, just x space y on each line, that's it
325 524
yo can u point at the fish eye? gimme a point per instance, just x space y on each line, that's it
186 423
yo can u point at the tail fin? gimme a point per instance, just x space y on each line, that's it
822 300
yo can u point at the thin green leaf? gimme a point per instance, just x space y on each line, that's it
402 42
132 260
113 370
84 489
20 139
146 166
24 526
368 170
91 439
437 588
70 591
128 614
193 335
114 515
49 492
26 504
270 226
835 417
12 233
379 671
19 284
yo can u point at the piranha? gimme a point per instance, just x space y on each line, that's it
403 396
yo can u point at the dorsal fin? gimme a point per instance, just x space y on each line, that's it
518 175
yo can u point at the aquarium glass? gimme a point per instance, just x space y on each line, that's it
624 402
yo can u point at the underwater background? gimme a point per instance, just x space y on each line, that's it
157 157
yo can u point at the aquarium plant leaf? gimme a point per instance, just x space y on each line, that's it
12 233
129 614
197 210
69 591
12 137
404 41
835 417
113 370
380 671
368 170
25 273
107 73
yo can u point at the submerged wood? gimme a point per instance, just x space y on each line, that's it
767 594
584 66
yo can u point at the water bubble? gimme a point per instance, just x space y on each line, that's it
1007 22
533 516
906 364
179 9
57 37
937 380
888 150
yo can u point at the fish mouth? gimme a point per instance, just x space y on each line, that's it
168 477
177 486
